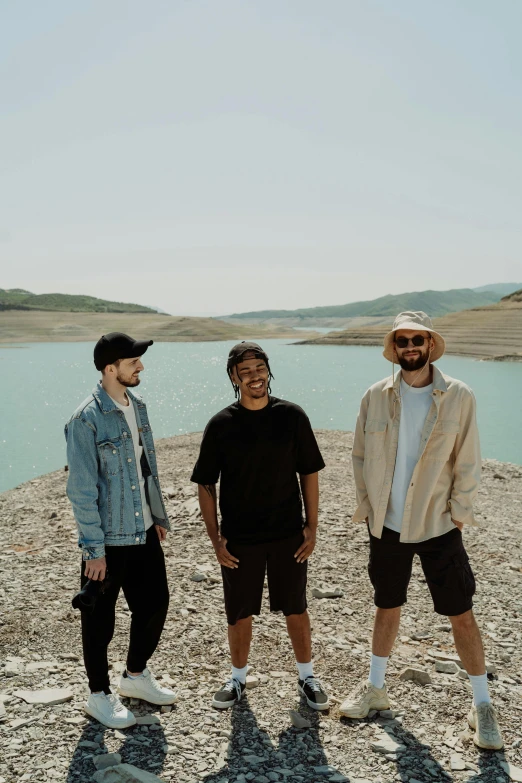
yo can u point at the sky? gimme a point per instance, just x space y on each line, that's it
218 156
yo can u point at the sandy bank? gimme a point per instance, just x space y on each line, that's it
22 326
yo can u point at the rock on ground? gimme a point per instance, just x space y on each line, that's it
125 773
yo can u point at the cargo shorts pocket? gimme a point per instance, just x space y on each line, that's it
465 573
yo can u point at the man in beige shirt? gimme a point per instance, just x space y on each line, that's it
416 461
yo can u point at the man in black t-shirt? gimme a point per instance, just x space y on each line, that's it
256 447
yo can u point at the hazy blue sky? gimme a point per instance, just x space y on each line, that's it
210 156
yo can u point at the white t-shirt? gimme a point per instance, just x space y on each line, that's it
130 415
414 409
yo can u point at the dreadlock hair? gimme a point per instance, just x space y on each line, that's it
237 393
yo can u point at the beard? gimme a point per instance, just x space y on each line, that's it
413 363
128 382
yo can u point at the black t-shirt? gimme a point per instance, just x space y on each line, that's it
258 455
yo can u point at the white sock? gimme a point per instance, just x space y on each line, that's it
377 671
134 676
240 674
479 683
305 670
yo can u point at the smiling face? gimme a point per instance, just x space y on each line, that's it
412 357
251 375
126 371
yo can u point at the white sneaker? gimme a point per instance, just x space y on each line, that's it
145 687
108 709
365 698
484 721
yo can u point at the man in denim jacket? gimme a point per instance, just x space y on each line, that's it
116 497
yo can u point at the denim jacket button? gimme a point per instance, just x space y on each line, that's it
129 460
133 487
137 539
114 451
137 514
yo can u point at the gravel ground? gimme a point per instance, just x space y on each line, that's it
40 648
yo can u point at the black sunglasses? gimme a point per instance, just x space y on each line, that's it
417 341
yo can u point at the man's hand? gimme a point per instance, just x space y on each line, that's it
308 545
223 555
162 533
96 569
460 525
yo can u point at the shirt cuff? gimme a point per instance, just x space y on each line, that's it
362 511
93 552
461 514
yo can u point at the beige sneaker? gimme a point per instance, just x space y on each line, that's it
365 698
483 720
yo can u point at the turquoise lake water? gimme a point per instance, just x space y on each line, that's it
184 384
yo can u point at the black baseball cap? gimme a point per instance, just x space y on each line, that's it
116 345
238 351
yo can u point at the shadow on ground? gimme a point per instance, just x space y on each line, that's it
490 770
142 746
297 752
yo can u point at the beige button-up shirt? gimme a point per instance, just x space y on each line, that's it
446 478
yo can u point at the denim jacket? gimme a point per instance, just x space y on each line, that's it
103 484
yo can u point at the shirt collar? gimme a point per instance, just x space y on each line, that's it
104 400
439 382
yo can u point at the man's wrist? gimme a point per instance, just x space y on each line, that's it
311 525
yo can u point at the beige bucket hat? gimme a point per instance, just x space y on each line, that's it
420 322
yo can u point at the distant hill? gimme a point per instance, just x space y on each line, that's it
490 332
18 299
516 296
435 303
502 289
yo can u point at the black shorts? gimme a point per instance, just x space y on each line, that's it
243 586
445 564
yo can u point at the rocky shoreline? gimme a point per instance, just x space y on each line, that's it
424 738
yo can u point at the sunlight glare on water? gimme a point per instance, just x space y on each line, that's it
184 384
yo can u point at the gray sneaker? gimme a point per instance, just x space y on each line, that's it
365 698
314 693
230 694
483 720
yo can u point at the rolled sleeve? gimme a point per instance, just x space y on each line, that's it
467 465
82 487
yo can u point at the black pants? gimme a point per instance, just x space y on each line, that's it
140 571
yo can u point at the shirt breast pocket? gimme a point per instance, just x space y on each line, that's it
374 438
442 439
110 456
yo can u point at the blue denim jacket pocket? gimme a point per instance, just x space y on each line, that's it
110 454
